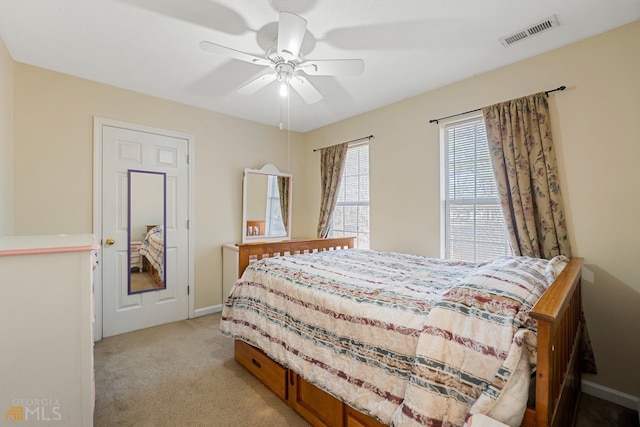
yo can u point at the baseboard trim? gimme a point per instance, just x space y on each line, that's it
611 395
207 310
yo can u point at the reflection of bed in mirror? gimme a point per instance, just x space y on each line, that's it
146 205
152 252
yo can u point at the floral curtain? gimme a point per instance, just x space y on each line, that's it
283 190
524 163
331 165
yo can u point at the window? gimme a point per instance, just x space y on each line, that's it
474 227
275 225
351 215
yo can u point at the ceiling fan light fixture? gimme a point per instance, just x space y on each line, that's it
284 89
284 72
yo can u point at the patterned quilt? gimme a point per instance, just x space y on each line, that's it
153 248
406 339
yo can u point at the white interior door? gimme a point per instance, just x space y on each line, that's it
125 150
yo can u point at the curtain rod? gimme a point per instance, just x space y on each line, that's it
347 142
547 92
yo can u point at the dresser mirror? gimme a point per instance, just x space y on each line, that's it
266 207
146 230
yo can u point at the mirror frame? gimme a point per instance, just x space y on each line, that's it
164 231
267 169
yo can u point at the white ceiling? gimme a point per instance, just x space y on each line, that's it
409 46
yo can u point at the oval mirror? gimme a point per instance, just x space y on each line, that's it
146 231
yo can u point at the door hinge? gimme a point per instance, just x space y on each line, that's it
187 159
188 223
188 290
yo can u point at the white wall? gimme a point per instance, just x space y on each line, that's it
595 122
146 203
6 141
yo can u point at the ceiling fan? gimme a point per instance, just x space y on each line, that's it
287 62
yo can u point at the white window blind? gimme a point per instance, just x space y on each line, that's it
474 226
351 215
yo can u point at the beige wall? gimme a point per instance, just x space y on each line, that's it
54 160
596 123
6 141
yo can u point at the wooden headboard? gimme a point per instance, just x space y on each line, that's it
252 251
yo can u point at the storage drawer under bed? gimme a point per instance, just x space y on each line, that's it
266 370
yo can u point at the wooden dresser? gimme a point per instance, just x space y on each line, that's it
46 327
135 259
229 268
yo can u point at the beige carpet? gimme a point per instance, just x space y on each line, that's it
180 374
142 281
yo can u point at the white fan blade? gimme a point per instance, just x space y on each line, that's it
306 90
291 29
333 67
232 53
255 85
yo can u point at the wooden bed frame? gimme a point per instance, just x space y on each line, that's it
557 382
150 268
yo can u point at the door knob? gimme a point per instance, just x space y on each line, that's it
110 241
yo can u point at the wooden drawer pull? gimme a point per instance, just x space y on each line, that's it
255 362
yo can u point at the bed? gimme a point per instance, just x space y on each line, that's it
152 250
337 376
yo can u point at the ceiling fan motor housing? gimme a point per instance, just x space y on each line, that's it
284 71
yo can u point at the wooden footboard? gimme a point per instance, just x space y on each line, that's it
155 275
559 318
151 269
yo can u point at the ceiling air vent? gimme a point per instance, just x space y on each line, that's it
530 31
